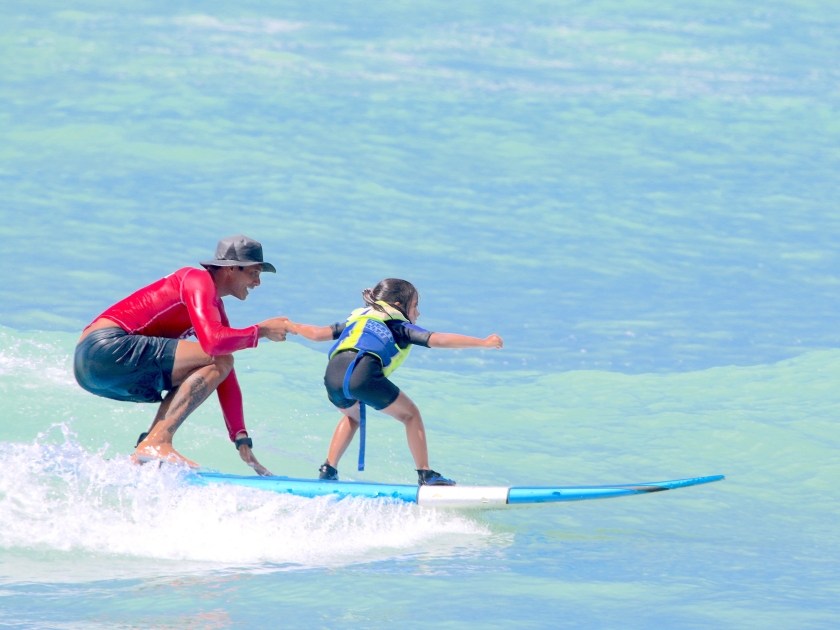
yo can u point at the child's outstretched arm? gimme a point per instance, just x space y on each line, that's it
451 340
313 333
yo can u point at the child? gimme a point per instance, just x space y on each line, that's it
372 344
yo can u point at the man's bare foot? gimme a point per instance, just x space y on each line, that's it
161 452
139 462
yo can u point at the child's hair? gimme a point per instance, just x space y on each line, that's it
390 291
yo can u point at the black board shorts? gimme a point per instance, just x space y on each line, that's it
113 364
367 383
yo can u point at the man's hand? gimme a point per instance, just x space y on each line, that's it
247 456
276 328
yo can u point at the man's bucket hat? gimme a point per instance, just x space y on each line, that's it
238 250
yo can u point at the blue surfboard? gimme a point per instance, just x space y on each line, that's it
446 496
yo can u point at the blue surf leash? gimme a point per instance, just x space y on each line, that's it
362 423
362 411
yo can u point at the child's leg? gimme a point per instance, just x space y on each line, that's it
343 434
404 410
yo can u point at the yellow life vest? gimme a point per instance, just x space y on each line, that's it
368 333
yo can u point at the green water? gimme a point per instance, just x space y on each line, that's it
756 548
640 198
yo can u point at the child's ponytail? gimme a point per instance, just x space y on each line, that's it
391 291
367 296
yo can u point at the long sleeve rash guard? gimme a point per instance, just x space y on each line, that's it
182 304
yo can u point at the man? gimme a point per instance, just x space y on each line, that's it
136 349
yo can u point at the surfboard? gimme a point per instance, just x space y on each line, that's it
446 496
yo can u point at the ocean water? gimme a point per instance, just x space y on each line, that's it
641 198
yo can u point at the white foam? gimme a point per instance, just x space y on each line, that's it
57 496
34 360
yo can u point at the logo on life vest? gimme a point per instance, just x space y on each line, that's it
380 330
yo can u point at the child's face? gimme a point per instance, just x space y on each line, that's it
413 313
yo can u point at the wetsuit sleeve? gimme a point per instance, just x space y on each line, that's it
406 333
230 400
337 329
209 321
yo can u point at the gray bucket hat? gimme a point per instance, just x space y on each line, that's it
238 250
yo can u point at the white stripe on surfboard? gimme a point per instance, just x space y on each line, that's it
462 495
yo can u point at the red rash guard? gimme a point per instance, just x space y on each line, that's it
182 304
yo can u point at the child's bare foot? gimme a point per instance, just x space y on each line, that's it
161 452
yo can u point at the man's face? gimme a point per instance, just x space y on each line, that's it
243 280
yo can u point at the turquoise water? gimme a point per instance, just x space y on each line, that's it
641 199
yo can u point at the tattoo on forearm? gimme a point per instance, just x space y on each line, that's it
185 402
